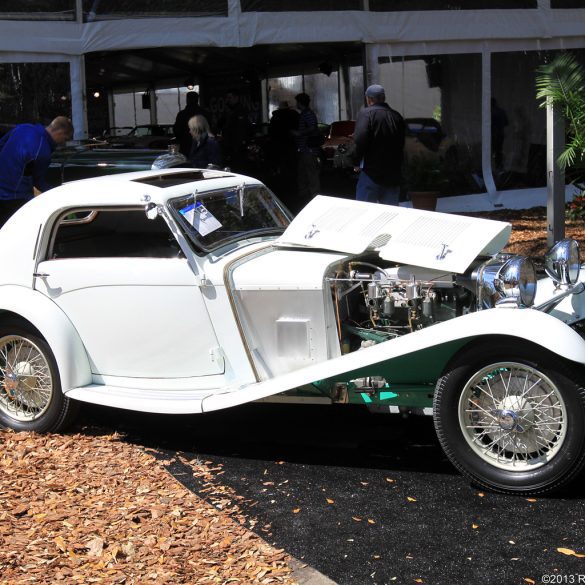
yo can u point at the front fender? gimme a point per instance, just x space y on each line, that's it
55 327
441 341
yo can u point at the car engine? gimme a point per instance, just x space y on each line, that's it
374 303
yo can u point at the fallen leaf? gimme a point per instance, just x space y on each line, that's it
569 552
370 521
356 518
296 510
531 500
418 581
411 499
330 501
390 480
481 494
528 580
474 526
95 547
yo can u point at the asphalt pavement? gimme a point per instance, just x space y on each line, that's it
367 499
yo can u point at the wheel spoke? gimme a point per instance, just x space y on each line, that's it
512 416
27 387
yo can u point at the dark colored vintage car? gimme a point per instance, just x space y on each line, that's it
88 159
154 136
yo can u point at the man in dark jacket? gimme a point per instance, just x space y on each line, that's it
25 155
236 130
379 149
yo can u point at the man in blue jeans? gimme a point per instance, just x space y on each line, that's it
25 155
379 149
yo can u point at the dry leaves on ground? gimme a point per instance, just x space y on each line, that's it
93 509
529 230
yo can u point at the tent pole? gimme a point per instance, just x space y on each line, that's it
78 98
555 177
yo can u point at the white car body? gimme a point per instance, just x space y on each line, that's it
259 315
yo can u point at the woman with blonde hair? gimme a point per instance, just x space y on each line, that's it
205 149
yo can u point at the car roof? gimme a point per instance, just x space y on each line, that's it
130 188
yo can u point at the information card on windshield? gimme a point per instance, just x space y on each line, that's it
200 218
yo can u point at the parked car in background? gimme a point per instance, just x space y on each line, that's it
92 158
156 136
115 131
186 291
340 133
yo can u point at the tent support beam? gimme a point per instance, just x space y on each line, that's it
555 177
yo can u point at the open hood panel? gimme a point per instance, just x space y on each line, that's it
422 238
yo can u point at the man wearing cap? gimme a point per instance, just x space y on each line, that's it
379 149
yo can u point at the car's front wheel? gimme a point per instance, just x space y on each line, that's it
30 390
511 417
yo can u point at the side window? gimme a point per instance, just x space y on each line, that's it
107 233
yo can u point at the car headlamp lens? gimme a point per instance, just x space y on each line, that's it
562 262
517 280
505 280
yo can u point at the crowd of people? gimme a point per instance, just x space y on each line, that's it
294 140
293 152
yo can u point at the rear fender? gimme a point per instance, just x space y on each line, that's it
55 327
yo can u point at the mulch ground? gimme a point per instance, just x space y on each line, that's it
91 508
529 230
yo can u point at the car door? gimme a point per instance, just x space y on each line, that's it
134 300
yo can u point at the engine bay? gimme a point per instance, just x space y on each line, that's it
375 303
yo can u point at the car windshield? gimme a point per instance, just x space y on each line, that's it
216 218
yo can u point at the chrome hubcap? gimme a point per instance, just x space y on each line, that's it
508 420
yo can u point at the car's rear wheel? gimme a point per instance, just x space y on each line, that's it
511 417
30 390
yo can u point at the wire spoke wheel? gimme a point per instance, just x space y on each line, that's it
26 381
513 416
510 415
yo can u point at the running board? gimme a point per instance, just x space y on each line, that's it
157 401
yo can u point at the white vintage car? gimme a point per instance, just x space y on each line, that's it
186 291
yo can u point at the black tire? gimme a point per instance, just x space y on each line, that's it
529 439
31 398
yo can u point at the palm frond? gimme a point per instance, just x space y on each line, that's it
560 79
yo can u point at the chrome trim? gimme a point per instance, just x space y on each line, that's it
550 304
562 262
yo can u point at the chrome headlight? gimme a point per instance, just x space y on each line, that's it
562 262
506 279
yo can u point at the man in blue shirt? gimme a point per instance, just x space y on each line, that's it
25 155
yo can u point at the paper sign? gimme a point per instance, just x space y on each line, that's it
200 218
